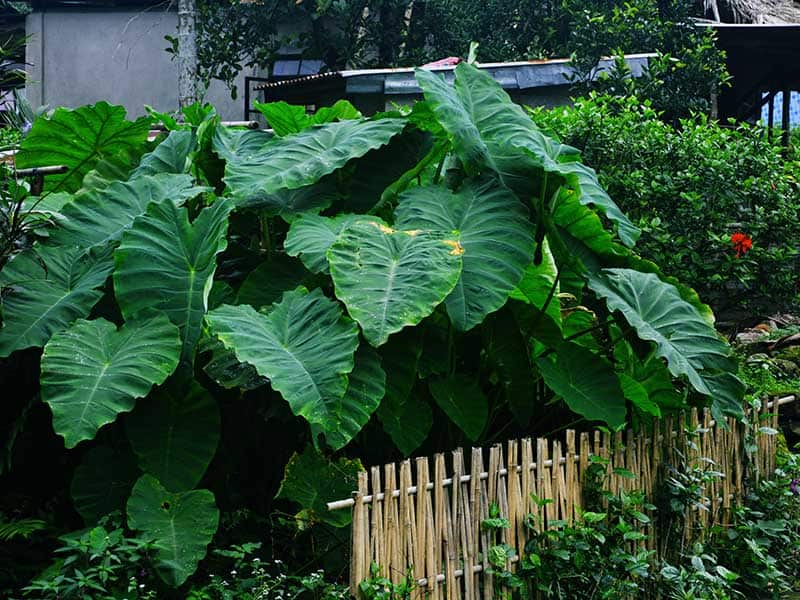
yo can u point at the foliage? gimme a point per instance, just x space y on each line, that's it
377 587
689 188
687 70
250 578
102 562
183 346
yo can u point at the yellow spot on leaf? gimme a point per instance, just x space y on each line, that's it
457 248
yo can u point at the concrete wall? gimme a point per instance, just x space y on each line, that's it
79 57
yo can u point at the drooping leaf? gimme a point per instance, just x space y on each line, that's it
389 278
92 372
637 394
81 138
181 524
464 402
310 236
506 351
289 204
579 327
365 387
50 287
658 314
174 434
172 155
98 217
582 224
304 345
165 262
283 118
224 368
304 158
492 227
267 283
311 480
727 391
238 144
405 417
489 131
586 382
103 481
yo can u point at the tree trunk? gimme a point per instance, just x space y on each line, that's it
187 54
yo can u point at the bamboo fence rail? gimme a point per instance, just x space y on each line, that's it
424 519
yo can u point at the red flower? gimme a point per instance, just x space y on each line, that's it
741 243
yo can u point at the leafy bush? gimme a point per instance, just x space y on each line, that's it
689 189
226 298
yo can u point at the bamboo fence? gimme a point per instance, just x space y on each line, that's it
423 520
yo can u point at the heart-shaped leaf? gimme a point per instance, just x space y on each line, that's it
50 287
389 278
304 345
304 158
92 372
586 382
103 481
182 525
101 216
492 227
310 236
175 434
311 480
80 139
165 262
464 402
681 335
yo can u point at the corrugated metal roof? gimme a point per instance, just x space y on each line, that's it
511 75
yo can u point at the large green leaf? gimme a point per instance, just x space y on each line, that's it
586 382
305 346
284 118
311 480
81 138
491 225
267 282
92 372
288 204
365 387
238 144
167 263
102 482
310 236
49 289
405 416
182 525
100 216
657 312
390 278
304 158
464 402
489 131
172 155
175 433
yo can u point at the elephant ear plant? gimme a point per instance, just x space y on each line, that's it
447 265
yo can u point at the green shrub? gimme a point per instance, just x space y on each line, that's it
689 188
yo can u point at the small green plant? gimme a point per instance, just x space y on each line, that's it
378 587
250 578
101 563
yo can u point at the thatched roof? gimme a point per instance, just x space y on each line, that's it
758 11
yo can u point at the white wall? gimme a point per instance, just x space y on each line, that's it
80 57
